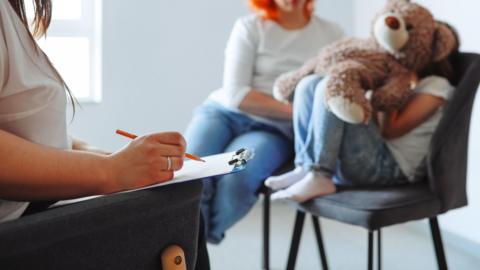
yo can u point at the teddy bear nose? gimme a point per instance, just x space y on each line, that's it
392 22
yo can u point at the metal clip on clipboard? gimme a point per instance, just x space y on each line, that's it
240 159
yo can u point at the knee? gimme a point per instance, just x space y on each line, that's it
320 89
306 88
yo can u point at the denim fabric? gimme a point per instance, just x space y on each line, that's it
226 199
355 155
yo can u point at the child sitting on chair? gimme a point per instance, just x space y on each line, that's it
385 152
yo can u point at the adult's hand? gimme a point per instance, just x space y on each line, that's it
145 162
264 105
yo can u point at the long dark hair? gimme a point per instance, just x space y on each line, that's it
41 21
444 68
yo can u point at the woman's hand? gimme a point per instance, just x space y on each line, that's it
263 105
144 161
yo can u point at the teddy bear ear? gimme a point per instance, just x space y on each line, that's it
444 43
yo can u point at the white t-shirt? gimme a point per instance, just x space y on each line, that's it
32 97
411 149
259 51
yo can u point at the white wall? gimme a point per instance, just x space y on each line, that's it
161 59
339 11
462 14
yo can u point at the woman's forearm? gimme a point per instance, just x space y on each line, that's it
80 145
266 106
33 172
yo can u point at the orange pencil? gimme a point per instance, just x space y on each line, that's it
132 136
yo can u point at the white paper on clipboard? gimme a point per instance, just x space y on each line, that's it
196 170
192 170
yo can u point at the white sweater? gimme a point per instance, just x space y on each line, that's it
259 51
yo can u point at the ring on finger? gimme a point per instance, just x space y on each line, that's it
169 163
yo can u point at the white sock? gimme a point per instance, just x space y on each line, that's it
286 179
311 186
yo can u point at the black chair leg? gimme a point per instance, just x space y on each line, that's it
370 255
297 234
437 242
266 231
379 249
370 250
321 248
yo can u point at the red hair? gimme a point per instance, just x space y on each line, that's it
268 9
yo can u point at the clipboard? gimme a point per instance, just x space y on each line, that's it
215 165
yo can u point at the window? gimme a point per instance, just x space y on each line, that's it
73 44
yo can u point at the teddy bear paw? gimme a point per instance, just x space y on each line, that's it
280 94
347 110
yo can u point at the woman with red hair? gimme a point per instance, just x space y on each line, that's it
280 36
268 9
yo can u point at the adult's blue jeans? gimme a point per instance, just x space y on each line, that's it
354 155
226 199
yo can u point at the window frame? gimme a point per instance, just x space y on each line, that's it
88 26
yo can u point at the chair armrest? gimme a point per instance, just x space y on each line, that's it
122 231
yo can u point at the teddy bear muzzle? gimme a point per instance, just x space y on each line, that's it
390 32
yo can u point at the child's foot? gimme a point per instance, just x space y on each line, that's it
311 186
287 179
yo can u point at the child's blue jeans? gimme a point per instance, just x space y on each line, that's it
355 155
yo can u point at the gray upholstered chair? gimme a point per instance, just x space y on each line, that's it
123 231
443 190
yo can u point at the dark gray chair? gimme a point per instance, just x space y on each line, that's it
443 190
123 231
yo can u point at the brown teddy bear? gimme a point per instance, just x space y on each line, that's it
405 40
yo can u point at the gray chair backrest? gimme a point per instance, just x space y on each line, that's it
447 160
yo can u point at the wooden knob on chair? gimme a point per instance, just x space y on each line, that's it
173 258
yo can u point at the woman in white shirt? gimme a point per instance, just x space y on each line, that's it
243 113
37 161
